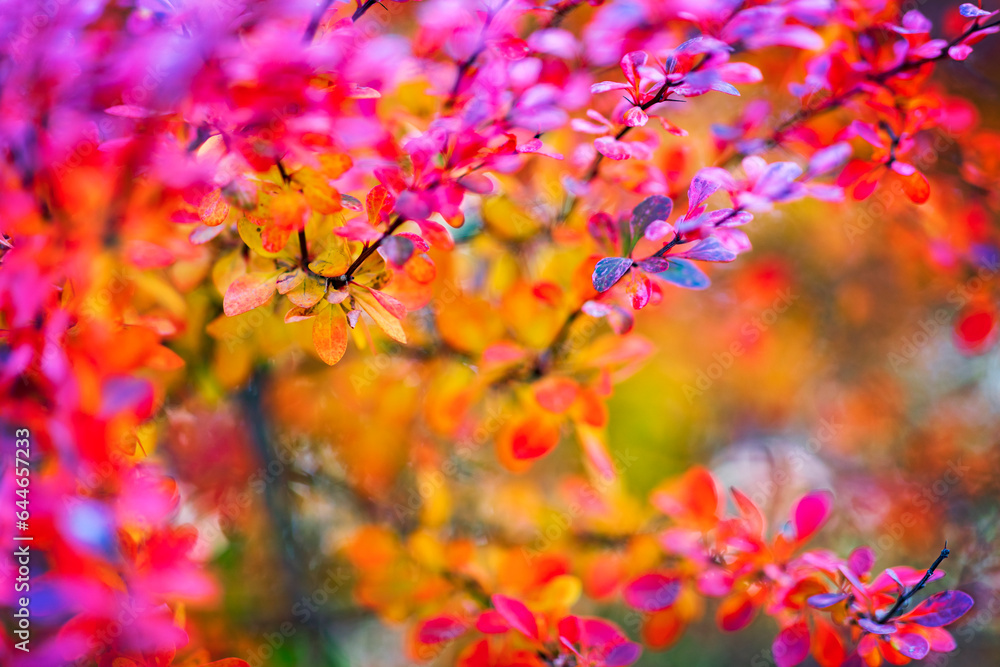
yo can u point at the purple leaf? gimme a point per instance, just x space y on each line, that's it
876 628
710 250
622 654
941 609
609 271
652 592
911 645
829 158
396 250
824 600
776 179
657 207
701 188
683 273
970 11
654 264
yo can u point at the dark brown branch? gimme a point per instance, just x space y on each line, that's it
903 599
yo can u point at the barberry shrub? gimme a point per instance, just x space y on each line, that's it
334 296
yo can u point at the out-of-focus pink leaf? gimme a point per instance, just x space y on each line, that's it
652 592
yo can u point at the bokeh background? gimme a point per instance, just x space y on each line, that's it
843 352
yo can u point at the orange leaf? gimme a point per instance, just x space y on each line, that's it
662 628
213 209
916 187
330 334
289 211
827 645
379 204
248 292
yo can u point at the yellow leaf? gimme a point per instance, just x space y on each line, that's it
334 260
383 318
330 334
251 230
307 293
508 221
320 195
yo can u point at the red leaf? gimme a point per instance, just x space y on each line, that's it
735 612
976 331
440 629
491 622
916 187
519 616
652 592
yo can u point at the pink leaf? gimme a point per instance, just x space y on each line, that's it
652 592
612 148
910 644
811 512
248 292
960 51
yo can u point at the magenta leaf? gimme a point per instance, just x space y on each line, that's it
710 250
622 654
609 271
811 512
911 645
861 560
824 600
518 615
791 646
652 592
876 628
683 273
941 609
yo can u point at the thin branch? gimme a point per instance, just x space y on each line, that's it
903 599
303 251
360 11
